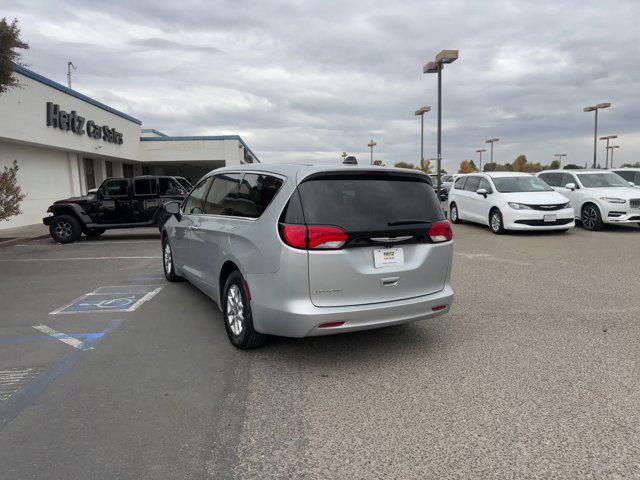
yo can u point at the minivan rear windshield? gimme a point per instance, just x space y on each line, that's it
362 202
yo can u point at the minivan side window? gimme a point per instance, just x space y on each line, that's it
115 188
255 194
484 183
551 179
145 187
568 178
193 203
472 184
222 197
459 184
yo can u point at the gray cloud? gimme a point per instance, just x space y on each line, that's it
307 80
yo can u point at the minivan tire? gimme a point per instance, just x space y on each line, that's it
236 307
591 218
455 218
65 229
496 224
168 267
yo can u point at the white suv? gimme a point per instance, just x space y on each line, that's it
597 196
509 201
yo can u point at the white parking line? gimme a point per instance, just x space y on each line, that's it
67 259
63 337
12 380
491 258
86 243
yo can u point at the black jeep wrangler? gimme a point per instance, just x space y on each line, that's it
117 203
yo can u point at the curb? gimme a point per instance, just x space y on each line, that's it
14 241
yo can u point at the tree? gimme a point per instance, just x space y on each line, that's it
467 166
426 166
10 193
377 162
473 165
631 165
10 42
555 165
405 165
572 166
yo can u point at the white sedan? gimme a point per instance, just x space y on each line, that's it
509 201
598 196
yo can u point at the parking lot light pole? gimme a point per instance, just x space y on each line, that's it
607 138
595 108
371 144
612 147
560 155
480 151
445 56
492 141
420 112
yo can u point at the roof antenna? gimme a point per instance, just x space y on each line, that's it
70 65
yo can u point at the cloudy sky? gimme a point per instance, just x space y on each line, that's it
304 81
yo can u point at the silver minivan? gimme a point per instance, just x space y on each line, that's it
303 250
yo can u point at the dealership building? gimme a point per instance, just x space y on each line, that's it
66 143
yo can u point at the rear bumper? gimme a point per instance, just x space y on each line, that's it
303 319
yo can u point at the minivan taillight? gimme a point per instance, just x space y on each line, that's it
440 232
314 237
294 235
326 238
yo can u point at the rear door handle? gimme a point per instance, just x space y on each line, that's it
389 281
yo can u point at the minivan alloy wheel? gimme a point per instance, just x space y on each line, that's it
235 310
167 258
496 222
454 213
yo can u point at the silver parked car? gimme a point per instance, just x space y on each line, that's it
302 250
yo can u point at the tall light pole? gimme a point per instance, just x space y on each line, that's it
70 65
420 112
371 144
595 108
445 56
480 151
607 138
492 141
612 147
560 155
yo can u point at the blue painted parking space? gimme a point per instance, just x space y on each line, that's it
122 298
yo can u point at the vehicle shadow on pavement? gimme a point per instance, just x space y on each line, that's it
356 348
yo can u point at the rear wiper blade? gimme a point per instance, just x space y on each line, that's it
406 222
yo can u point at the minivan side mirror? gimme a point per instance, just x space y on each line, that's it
570 186
92 191
172 208
482 191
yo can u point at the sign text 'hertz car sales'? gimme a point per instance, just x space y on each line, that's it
57 118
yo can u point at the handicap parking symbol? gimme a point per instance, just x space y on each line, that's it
110 299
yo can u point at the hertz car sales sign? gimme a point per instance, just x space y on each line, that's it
71 121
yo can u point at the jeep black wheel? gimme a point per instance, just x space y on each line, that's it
65 229
93 232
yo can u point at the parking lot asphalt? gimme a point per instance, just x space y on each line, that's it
533 374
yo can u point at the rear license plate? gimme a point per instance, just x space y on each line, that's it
550 218
388 257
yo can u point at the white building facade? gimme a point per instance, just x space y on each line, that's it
66 143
